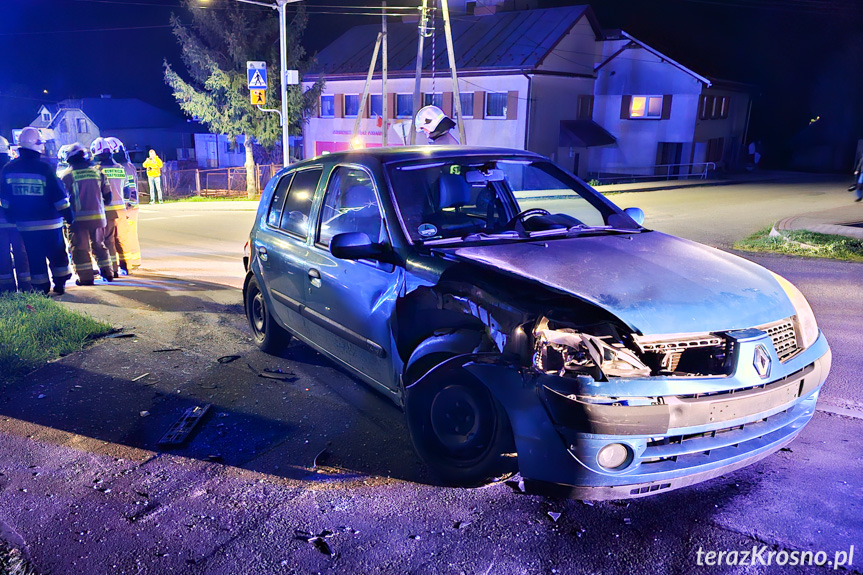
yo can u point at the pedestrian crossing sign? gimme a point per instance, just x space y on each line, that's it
256 73
258 97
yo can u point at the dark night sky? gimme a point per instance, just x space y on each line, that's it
797 52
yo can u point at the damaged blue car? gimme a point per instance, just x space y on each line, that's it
521 319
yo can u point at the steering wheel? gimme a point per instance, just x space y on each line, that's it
517 220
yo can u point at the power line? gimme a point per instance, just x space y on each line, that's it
87 30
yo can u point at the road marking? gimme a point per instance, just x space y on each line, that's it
171 217
840 411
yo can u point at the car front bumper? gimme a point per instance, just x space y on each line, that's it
677 430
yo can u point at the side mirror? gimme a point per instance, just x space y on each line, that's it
637 214
355 246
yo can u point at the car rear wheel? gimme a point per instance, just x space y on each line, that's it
459 429
268 335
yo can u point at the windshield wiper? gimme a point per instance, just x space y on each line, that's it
583 229
474 237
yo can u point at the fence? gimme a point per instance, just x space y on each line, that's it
220 182
701 170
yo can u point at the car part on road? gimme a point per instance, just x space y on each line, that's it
182 429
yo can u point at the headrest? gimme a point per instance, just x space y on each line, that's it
454 191
358 197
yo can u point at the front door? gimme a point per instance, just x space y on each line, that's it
353 301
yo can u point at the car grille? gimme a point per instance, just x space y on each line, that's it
784 338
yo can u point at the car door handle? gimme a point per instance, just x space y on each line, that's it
315 277
262 253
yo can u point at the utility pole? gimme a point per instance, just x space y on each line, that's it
423 32
364 99
384 96
279 6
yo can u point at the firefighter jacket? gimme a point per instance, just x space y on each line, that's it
131 196
32 195
87 190
116 177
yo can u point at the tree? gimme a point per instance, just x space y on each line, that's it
219 39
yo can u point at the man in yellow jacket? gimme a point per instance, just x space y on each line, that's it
153 164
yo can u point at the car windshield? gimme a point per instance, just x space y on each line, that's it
486 198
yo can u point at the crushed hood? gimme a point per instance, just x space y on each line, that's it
655 283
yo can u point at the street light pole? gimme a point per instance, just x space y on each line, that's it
279 7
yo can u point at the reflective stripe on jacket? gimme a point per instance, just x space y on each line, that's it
116 177
86 186
32 195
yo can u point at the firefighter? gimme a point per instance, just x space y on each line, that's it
13 256
115 209
130 259
436 125
37 202
88 191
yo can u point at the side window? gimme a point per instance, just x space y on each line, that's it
350 205
275 213
298 204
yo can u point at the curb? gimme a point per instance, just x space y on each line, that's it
804 223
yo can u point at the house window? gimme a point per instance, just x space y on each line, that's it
495 105
352 105
328 106
404 105
723 107
82 126
46 116
466 99
433 100
585 107
645 107
376 105
64 127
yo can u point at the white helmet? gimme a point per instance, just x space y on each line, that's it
4 145
428 118
61 153
114 143
100 146
31 139
74 149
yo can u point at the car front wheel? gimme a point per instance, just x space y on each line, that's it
459 429
268 335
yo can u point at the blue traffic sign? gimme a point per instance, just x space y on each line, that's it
257 75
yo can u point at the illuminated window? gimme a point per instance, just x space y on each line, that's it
82 126
352 105
495 105
645 107
404 105
328 106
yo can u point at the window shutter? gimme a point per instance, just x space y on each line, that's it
666 107
364 113
339 105
512 105
447 104
318 108
701 102
391 105
479 105
625 103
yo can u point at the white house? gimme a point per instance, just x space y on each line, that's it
551 81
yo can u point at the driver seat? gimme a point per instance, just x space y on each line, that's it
453 194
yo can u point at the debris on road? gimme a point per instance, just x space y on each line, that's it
517 486
554 515
461 524
278 374
119 335
142 376
144 413
322 455
627 521
228 358
319 540
167 349
182 428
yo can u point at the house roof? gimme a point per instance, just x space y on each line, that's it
122 113
507 40
620 34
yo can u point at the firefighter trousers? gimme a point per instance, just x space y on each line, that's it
84 241
130 256
115 233
47 245
13 262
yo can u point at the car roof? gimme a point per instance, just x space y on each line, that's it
408 153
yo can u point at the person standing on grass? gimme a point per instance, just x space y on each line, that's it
37 202
88 190
13 257
153 164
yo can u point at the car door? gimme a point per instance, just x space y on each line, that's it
353 301
282 245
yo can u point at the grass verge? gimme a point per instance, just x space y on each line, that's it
35 329
804 243
242 198
12 563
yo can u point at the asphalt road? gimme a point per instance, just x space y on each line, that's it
84 488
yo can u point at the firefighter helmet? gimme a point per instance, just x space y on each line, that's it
72 150
4 145
100 146
31 139
115 144
428 119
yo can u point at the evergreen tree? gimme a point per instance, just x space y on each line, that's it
216 43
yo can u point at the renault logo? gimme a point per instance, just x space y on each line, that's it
761 361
